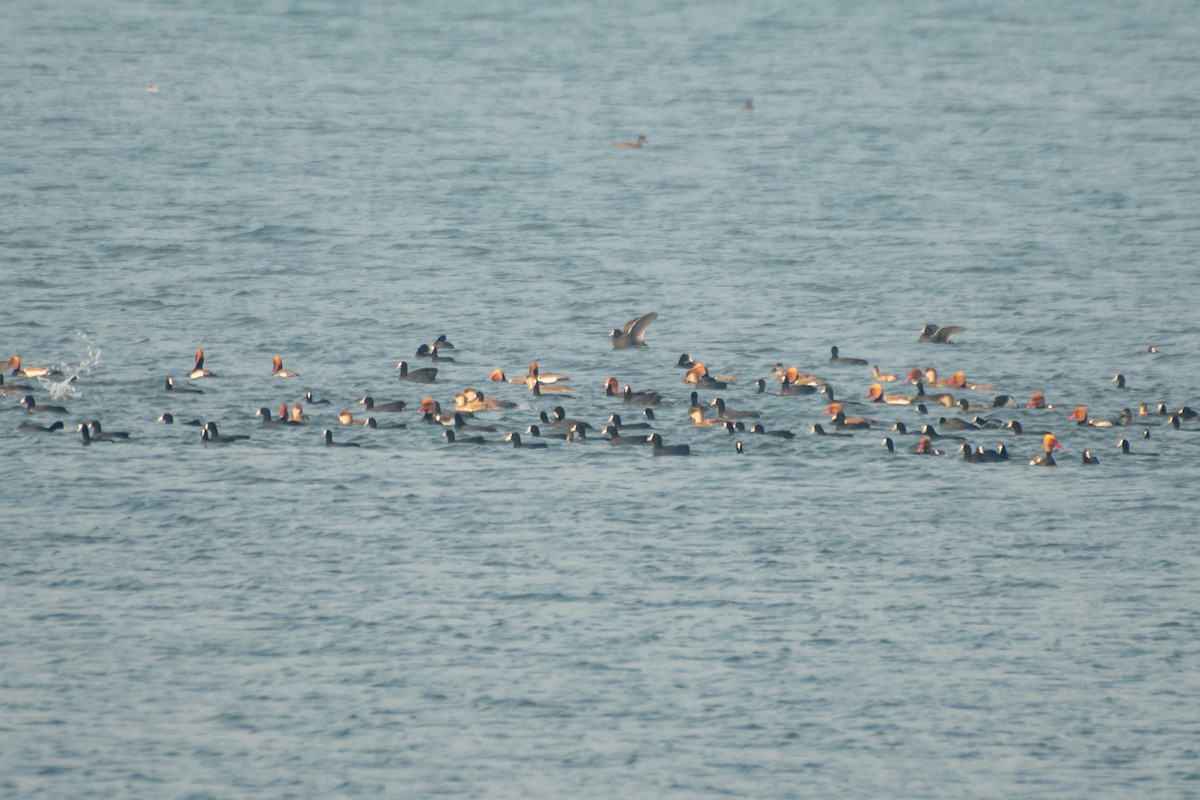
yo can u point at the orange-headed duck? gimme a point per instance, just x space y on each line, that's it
198 370
925 447
1080 417
27 371
422 375
32 407
730 413
171 387
498 376
840 420
279 372
394 407
659 449
875 395
639 142
933 334
1046 459
959 381
433 411
836 358
327 435
1038 400
298 417
634 332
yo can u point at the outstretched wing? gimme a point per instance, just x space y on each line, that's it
635 329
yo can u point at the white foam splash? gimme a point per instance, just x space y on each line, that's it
65 388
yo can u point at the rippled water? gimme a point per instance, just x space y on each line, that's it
338 183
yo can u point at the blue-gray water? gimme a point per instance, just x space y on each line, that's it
340 182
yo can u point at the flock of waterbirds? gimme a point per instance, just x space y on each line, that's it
964 409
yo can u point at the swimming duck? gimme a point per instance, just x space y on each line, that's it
698 375
13 388
932 334
267 420
840 420
515 438
471 399
789 389
875 395
544 377
99 433
394 407
642 397
198 370
33 426
433 353
929 432
308 398
659 449
781 434
615 421
1080 417
685 362
561 420
441 343
882 377
1016 428
279 372
346 418
835 358
84 433
422 375
576 434
210 435
818 430
327 435
460 423
970 455
1046 459
1038 400
957 424
729 413
169 419
171 387
959 381
32 407
696 414
1119 380
634 332
1124 447
734 426
452 439
737 447
534 430
639 142
889 444
1088 458
31 372
538 388
297 415
925 447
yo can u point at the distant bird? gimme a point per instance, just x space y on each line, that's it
99 433
171 387
640 142
881 377
422 375
30 371
835 358
32 407
1046 459
308 398
515 438
210 435
33 426
932 334
433 353
1088 458
198 370
279 372
329 442
659 449
368 403
634 332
